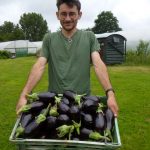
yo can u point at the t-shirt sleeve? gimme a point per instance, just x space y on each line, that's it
95 45
45 46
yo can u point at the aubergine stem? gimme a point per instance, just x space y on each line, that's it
42 117
53 111
77 126
99 109
57 100
60 95
65 129
97 136
71 131
78 98
19 130
107 133
24 108
32 97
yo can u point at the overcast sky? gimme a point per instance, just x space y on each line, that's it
133 15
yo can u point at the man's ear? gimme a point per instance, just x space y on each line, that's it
57 14
80 14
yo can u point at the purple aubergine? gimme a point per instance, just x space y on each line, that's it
109 123
63 108
65 100
99 122
109 119
24 121
63 119
84 133
91 97
87 120
89 106
32 108
51 122
33 129
70 95
33 126
46 97
74 113
73 97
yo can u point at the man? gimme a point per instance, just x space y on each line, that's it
69 53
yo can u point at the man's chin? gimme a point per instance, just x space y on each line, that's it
68 28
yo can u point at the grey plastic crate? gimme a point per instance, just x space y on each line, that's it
48 144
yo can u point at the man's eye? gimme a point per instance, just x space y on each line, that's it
64 14
72 14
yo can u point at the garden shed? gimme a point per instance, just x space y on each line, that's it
113 47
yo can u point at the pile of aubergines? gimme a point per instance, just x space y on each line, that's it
66 116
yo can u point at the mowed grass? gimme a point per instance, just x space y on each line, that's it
131 83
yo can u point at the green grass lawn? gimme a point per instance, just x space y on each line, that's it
131 83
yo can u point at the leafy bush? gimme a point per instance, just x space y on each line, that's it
4 54
140 56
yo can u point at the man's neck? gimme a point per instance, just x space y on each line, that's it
69 34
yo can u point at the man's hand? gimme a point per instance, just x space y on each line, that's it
112 104
22 101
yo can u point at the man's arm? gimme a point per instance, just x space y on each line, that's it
34 76
102 74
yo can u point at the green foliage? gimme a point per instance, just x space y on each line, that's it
140 56
34 26
4 54
106 22
142 48
10 32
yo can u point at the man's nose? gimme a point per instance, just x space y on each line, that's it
68 17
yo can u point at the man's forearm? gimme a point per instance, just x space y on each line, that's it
102 74
34 76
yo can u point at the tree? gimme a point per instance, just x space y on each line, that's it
10 31
106 22
33 26
142 48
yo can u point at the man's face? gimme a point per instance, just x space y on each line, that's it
68 16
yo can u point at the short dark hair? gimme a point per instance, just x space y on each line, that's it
69 3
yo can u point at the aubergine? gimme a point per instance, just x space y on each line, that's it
89 106
63 119
65 101
70 95
33 107
73 97
109 123
24 121
51 122
109 119
100 123
33 127
87 120
74 113
63 108
46 97
84 133
91 97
